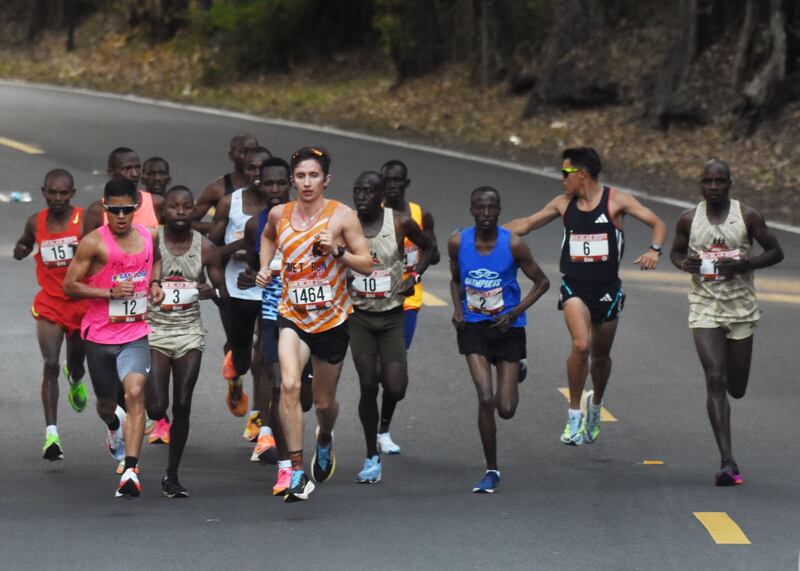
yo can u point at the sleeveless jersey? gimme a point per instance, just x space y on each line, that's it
411 257
592 246
271 295
179 313
489 284
314 294
711 295
237 219
371 293
118 321
145 215
56 250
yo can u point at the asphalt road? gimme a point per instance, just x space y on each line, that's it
593 507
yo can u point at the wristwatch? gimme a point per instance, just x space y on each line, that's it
340 250
657 248
416 276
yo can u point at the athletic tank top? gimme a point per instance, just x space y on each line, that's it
179 313
271 295
411 258
145 215
489 284
592 246
117 321
711 295
371 293
237 219
314 294
56 250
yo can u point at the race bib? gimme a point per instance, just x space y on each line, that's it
376 285
58 253
588 247
276 265
310 294
708 264
179 295
411 257
129 309
485 301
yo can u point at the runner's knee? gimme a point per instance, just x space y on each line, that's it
506 410
581 348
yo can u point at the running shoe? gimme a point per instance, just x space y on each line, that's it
300 487
77 392
371 473
160 433
228 372
171 488
149 425
266 450
324 462
115 441
129 484
728 476
491 479
523 370
574 431
52 448
385 444
120 467
284 481
252 428
592 418
237 399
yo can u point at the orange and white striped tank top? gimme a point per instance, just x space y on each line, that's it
314 294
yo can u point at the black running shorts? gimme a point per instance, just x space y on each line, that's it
330 345
483 339
605 302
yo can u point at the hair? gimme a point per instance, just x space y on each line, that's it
584 158
258 150
152 160
121 187
395 163
113 155
484 190
237 140
312 153
372 174
179 188
719 164
275 162
59 173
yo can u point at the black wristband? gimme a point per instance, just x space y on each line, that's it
155 281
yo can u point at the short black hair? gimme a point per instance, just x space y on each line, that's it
584 158
275 162
395 163
720 164
258 150
179 188
121 187
484 190
112 156
155 160
312 153
373 174
59 173
237 140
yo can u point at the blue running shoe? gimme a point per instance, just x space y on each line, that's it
324 462
371 474
574 430
491 479
300 489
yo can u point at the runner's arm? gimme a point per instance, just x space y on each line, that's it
213 264
524 259
630 205
679 253
453 245
423 241
219 225
357 256
267 250
158 206
78 270
24 245
209 196
154 287
93 217
756 229
247 278
523 226
427 223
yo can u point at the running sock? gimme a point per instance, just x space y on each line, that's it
296 458
51 430
595 407
573 412
114 424
264 430
131 462
283 464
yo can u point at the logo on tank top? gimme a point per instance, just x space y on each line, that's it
482 278
601 219
718 250
134 277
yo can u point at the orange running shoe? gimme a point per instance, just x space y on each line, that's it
160 433
237 399
252 427
265 451
228 372
284 481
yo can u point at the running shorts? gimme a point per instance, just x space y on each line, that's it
734 330
379 333
176 345
483 339
330 345
605 302
269 341
110 364
67 314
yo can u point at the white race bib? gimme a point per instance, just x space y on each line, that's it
377 284
276 265
129 309
310 294
708 265
59 252
588 247
485 301
411 257
179 295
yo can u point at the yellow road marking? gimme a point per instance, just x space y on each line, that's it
605 416
722 529
30 149
777 285
760 295
431 300
653 462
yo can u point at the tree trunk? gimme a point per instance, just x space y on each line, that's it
744 48
70 21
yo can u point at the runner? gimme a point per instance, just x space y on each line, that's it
377 326
124 163
56 230
177 339
319 240
489 315
155 176
117 267
395 177
591 291
244 305
713 243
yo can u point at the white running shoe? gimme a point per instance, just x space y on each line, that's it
115 441
386 445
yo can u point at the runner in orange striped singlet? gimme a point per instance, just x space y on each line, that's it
318 240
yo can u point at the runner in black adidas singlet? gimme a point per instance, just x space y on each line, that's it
591 292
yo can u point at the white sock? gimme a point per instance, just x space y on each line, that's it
51 430
595 407
254 413
283 464
573 412
265 430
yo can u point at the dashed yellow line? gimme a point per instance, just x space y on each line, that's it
431 300
653 462
30 149
722 529
605 416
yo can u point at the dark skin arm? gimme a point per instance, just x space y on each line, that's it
210 196
247 278
213 265
679 253
218 226
93 217
158 206
427 223
453 245
156 293
524 259
405 227
24 245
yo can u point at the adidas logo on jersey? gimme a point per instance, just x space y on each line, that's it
601 219
606 297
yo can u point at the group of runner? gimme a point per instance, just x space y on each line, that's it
299 281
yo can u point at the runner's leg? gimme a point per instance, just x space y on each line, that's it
507 395
481 372
578 320
134 384
50 337
185 372
293 355
739 354
601 342
711 345
326 378
157 388
366 366
76 356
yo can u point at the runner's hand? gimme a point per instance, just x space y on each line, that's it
21 250
458 319
156 294
246 279
263 278
404 287
123 289
503 322
205 291
648 260
691 264
324 243
729 268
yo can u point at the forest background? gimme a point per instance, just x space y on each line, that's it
658 87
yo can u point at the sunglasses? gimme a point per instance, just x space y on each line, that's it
120 210
566 171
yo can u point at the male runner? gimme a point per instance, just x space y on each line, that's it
244 305
713 243
56 230
319 240
591 291
377 325
155 176
489 315
177 338
118 267
395 177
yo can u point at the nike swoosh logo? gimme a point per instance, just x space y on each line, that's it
384 235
